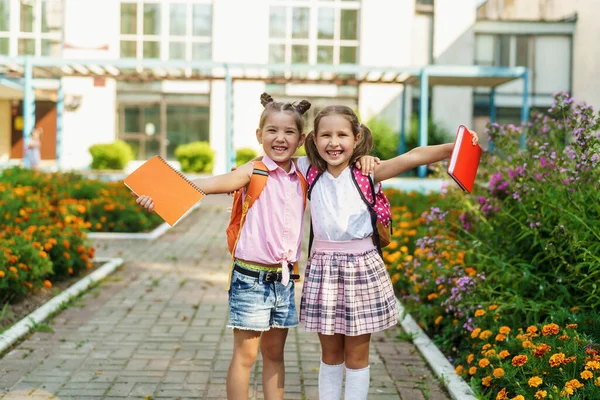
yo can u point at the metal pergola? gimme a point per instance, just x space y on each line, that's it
20 71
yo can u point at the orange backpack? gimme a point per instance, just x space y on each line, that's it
242 204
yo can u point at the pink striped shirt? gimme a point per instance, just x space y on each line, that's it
273 228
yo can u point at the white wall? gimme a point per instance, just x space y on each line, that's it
385 33
586 83
5 133
453 44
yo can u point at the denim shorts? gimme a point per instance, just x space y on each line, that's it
257 305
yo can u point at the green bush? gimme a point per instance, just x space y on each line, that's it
435 134
243 155
114 155
385 140
195 157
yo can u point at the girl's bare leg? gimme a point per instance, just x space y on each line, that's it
272 344
245 351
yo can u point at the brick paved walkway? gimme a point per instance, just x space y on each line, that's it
156 329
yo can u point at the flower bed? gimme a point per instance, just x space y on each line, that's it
44 219
505 280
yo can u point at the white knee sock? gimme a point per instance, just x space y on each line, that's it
357 383
330 381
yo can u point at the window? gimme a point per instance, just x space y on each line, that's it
314 32
37 27
177 30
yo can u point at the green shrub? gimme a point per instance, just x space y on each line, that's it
114 155
195 157
435 134
385 140
243 155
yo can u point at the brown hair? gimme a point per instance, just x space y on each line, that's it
364 144
271 106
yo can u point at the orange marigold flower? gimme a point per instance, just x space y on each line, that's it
472 370
485 334
493 307
66 244
438 320
480 313
459 369
2 275
470 358
535 381
70 271
593 365
13 270
67 255
48 246
500 337
490 353
550 329
504 354
432 296
557 359
574 384
47 284
586 375
564 337
505 330
484 362
532 329
37 245
475 333
570 359
518 397
572 326
597 382
502 395
498 373
574 309
541 350
486 346
527 344
28 284
541 394
519 360
486 381
43 254
470 271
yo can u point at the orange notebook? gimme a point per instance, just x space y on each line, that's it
464 160
173 194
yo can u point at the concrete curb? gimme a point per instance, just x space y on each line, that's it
23 327
456 386
156 233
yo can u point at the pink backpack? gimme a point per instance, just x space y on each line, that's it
378 204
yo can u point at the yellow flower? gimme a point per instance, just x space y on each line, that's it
572 326
47 284
470 358
550 329
593 365
475 333
597 383
557 359
13 270
504 354
586 375
485 334
532 329
534 381
527 344
541 394
472 370
2 274
484 362
498 373
479 313
502 395
459 369
490 353
493 307
486 346
518 397
500 337
486 381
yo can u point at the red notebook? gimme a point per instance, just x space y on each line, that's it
464 160
173 194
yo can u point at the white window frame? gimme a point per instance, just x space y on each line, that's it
313 42
165 37
14 33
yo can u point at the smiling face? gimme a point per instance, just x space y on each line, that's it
335 142
280 138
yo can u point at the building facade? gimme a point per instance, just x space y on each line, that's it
551 37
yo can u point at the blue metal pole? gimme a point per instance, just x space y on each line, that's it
60 108
28 108
229 155
423 116
402 139
492 113
525 109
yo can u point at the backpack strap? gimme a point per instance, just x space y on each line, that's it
312 176
257 183
367 194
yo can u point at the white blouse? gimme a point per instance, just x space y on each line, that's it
337 210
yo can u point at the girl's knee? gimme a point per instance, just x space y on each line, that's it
273 354
245 356
333 356
356 360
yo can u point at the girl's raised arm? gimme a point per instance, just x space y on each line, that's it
414 158
226 183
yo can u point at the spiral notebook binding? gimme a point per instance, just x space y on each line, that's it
182 175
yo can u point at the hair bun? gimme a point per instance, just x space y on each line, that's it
265 99
303 106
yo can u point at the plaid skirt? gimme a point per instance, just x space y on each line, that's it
347 293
